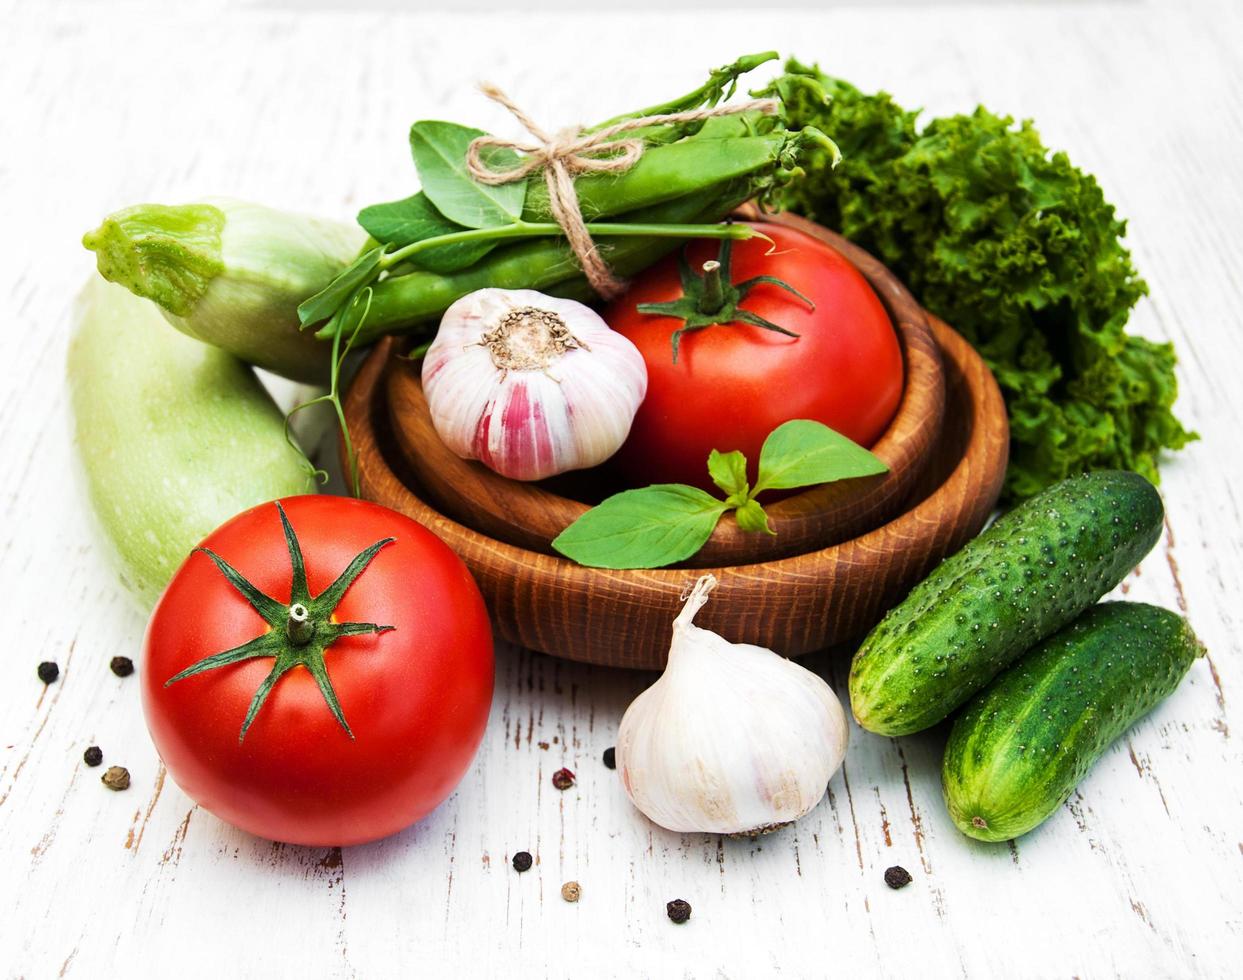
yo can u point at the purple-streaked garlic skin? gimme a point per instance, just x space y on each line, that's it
531 385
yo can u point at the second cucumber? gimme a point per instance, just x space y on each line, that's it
1020 748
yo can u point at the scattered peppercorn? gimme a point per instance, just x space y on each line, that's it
48 671
523 861
93 756
117 778
678 910
897 877
571 891
122 666
563 779
610 758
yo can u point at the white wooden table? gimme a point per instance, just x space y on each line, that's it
102 105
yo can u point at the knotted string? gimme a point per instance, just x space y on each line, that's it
571 151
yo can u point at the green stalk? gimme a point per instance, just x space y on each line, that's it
524 229
720 85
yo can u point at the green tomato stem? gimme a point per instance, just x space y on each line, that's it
299 627
713 296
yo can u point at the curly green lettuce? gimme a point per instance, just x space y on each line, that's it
1015 247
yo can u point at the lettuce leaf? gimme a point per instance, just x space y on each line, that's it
1018 250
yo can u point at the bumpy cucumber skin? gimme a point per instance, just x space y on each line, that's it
1027 576
1020 747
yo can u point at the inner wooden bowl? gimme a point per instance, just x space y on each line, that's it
530 515
792 605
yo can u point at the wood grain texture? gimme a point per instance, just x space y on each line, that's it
621 618
530 515
103 105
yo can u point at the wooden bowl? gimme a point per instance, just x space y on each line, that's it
792 605
530 515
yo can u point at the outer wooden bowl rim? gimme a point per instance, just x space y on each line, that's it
530 515
551 604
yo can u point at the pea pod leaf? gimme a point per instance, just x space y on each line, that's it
413 219
328 300
803 453
647 528
439 150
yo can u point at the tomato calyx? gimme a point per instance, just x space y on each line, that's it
298 633
712 299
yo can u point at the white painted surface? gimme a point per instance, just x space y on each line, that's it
103 105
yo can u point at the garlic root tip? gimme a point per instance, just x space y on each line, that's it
695 599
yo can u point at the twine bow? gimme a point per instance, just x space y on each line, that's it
571 151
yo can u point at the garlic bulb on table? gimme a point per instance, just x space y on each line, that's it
531 385
732 739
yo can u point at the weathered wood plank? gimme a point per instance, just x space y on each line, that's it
1136 876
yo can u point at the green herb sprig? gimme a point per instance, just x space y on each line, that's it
669 522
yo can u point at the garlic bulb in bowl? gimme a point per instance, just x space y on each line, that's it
732 739
531 385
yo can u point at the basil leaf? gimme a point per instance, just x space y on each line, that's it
802 453
647 528
751 517
439 150
329 299
729 472
414 219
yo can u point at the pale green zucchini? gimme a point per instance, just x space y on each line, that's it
175 436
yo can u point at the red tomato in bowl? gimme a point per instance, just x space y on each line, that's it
373 711
734 383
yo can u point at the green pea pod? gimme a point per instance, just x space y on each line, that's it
175 436
665 173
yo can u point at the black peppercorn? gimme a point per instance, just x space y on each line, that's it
563 779
610 758
93 756
897 877
48 672
523 861
122 666
678 910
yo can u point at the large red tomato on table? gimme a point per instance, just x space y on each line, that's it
319 671
734 382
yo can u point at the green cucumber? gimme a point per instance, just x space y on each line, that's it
1019 748
1020 581
175 436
